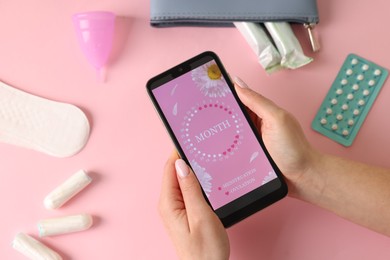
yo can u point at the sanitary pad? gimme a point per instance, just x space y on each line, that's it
28 121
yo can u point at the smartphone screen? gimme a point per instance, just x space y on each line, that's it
211 130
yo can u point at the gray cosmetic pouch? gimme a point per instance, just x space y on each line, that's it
165 13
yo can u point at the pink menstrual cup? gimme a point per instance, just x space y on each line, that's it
95 32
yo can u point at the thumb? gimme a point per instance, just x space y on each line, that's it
261 106
193 198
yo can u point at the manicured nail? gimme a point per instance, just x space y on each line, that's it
240 82
182 168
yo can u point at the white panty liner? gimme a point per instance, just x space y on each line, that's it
51 127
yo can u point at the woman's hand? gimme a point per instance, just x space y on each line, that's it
355 191
195 230
282 135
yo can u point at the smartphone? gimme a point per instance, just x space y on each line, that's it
213 133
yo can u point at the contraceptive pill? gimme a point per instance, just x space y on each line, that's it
64 225
67 190
349 99
34 249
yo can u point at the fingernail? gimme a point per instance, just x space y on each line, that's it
182 168
240 82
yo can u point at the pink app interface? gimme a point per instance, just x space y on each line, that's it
212 131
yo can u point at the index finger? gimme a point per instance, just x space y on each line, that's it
261 106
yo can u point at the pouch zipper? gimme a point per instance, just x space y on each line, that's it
315 44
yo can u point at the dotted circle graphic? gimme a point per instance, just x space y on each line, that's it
228 148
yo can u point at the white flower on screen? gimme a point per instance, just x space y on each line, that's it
210 81
203 177
271 175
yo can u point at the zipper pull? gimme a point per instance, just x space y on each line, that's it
315 44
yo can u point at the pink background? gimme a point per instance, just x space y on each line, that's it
128 145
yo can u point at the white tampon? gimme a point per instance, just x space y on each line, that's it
267 55
33 249
67 190
63 225
287 44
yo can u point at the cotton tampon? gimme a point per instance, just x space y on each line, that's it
63 225
67 190
267 55
287 44
33 249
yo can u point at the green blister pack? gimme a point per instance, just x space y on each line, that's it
349 99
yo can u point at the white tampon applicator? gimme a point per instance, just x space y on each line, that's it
67 190
33 249
63 225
